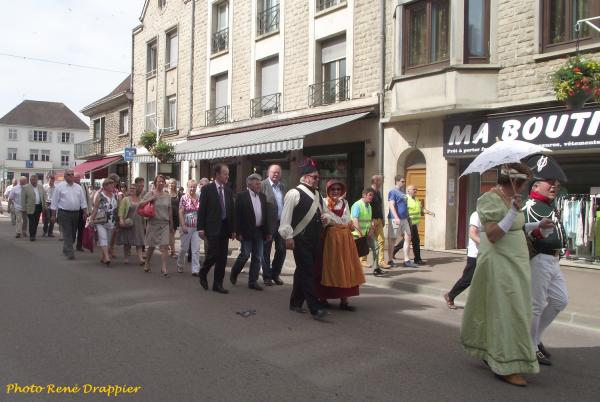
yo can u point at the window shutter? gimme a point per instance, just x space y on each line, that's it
49 136
30 135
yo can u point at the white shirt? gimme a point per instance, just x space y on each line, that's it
472 247
278 197
292 198
7 191
254 197
49 192
37 194
68 197
15 196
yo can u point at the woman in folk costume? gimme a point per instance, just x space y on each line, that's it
341 272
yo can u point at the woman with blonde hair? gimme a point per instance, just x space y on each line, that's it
104 217
157 230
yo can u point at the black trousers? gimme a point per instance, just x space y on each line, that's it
465 280
34 221
48 226
217 249
272 269
416 243
306 249
80 227
69 220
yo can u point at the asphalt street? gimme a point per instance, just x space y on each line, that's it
78 322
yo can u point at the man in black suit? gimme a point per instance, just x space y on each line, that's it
253 229
216 225
274 192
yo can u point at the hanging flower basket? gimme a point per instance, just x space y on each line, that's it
577 82
163 151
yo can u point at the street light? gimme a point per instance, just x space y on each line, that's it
154 121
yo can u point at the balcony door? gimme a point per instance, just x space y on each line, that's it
333 70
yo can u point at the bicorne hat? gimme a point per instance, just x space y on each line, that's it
546 168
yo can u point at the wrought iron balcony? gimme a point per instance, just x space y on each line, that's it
328 92
268 20
265 105
89 148
217 116
220 40
325 4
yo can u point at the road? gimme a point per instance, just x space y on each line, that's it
78 322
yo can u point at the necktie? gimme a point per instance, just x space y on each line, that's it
222 200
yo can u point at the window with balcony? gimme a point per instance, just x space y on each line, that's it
13 134
12 154
559 18
66 137
268 98
334 85
171 113
123 121
268 17
220 33
172 49
34 155
151 116
40 136
65 157
99 128
219 101
151 58
426 34
45 155
325 4
477 31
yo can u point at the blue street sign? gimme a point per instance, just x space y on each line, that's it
29 164
128 154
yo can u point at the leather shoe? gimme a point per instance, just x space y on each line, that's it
513 379
420 262
278 281
298 309
268 282
79 248
384 265
542 349
204 282
319 315
347 307
255 286
378 272
233 278
195 274
220 289
542 359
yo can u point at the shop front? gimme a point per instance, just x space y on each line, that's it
573 136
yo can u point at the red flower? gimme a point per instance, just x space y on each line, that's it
577 83
576 70
571 93
585 80
597 92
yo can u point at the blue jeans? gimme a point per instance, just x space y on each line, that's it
254 246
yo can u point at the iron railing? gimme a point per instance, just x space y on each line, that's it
268 20
265 105
217 116
327 92
91 147
325 4
220 40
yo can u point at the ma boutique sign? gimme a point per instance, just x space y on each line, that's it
554 130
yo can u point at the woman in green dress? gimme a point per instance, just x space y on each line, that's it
497 318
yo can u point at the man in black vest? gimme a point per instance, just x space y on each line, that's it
301 226
216 225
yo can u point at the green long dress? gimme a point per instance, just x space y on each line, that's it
497 318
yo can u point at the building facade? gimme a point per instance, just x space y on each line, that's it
38 137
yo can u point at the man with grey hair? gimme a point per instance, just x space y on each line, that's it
274 192
252 229
20 213
49 190
11 209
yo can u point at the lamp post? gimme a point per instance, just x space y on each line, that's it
158 130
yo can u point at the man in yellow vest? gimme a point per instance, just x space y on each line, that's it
415 212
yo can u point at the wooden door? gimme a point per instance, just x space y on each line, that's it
416 177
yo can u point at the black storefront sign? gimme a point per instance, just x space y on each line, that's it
554 130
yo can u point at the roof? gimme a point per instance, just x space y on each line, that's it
122 89
43 114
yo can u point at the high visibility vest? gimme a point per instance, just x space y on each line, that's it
364 218
414 210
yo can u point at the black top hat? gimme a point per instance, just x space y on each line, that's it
546 168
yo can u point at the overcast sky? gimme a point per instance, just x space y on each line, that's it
87 32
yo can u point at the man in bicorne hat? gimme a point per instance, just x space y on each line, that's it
301 227
549 290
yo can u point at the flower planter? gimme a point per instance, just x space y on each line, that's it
577 101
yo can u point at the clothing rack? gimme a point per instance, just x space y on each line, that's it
582 223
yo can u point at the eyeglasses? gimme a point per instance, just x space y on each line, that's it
69 174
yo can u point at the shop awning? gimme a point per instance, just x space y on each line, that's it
274 139
98 164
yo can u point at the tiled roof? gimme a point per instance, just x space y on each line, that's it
43 114
122 88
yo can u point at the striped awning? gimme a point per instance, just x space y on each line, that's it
267 140
143 156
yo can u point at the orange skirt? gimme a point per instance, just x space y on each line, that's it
341 264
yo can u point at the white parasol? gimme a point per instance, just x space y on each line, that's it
501 153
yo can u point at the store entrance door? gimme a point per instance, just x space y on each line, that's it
417 177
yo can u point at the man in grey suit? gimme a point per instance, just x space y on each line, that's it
33 201
273 189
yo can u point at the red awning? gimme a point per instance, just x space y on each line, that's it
91 166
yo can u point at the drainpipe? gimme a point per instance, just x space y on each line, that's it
130 101
381 84
192 65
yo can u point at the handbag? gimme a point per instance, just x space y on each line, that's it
147 211
127 223
362 246
101 218
88 238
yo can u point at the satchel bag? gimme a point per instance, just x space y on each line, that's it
101 218
147 211
127 223
362 246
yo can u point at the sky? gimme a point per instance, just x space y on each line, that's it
93 33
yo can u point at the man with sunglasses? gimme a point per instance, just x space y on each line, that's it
549 291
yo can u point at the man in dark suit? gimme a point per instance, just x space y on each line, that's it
274 192
216 225
33 201
252 222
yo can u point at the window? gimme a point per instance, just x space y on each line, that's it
162 3
219 110
151 116
12 134
559 18
171 113
64 158
325 4
477 31
123 121
268 16
12 154
267 88
66 137
40 136
334 85
426 33
220 36
99 128
45 155
172 45
151 58
34 155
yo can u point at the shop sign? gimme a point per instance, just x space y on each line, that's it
554 130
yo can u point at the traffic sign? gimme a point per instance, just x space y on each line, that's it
128 154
